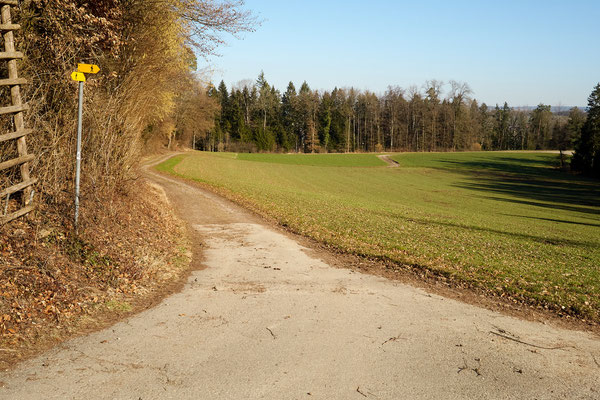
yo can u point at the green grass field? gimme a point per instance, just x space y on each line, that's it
317 160
507 222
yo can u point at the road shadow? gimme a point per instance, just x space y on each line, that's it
508 165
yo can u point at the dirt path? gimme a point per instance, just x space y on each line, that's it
387 159
266 320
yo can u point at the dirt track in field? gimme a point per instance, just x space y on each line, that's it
267 319
388 160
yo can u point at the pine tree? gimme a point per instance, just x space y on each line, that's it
501 129
573 129
339 121
307 105
289 114
264 90
325 120
587 153
225 120
236 115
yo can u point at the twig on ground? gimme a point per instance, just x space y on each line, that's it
528 344
361 393
465 366
392 339
9 268
595 361
17 267
271 332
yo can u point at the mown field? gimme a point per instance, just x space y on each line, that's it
510 223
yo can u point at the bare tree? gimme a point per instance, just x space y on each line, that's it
459 92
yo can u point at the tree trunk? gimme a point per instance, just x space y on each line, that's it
348 136
392 133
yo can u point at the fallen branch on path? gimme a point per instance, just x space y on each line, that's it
528 344
392 339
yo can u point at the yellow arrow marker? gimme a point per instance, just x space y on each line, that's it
78 76
88 68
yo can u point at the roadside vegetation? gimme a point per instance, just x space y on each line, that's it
130 246
54 285
509 223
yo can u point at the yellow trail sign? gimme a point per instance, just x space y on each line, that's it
88 68
78 76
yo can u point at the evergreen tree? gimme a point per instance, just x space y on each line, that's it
432 101
215 135
248 98
501 131
264 90
339 121
236 116
486 123
325 120
290 114
587 153
266 118
225 120
572 130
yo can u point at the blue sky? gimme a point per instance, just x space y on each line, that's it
525 52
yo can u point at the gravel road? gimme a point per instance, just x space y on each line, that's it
268 319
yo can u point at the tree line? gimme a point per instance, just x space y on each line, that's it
255 116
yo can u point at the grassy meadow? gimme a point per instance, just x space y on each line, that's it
508 222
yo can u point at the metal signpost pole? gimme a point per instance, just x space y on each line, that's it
79 76
78 163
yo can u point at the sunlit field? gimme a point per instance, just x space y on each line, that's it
509 222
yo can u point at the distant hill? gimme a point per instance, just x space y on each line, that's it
554 109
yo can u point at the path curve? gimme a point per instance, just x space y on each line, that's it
388 160
268 320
